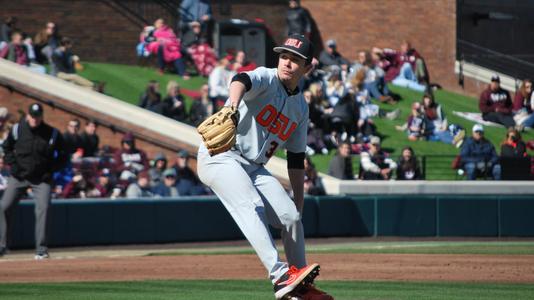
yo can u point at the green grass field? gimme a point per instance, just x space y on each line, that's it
260 290
404 247
128 82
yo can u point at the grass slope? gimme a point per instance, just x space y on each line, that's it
128 82
260 290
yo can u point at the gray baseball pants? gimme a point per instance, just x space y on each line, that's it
254 198
15 189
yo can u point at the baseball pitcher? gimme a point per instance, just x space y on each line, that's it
265 112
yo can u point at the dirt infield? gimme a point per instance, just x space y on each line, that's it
108 266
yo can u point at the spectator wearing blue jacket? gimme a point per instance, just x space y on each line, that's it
171 187
478 154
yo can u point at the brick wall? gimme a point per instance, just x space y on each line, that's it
430 25
101 33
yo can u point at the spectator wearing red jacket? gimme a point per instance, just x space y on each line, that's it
405 67
523 105
129 160
15 50
496 104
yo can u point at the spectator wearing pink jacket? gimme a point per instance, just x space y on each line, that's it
167 48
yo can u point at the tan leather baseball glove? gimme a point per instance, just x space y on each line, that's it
219 130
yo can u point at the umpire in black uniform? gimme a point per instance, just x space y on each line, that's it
34 150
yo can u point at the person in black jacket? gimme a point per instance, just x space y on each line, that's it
90 139
34 150
298 19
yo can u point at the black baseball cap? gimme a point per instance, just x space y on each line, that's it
35 110
297 44
495 78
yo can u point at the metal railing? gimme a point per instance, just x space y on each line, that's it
440 167
147 11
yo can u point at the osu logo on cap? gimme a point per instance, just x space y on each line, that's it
293 43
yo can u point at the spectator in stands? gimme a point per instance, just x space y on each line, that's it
313 184
523 106
189 181
335 88
174 103
46 42
241 63
129 160
18 51
436 125
32 57
513 145
219 81
89 139
375 164
104 184
202 107
315 125
6 29
4 124
368 110
197 49
145 37
151 98
341 164
15 50
140 188
171 185
72 140
182 168
314 75
404 68
4 174
496 104
81 187
343 119
194 13
298 19
156 171
363 72
478 156
408 165
65 62
415 125
330 59
167 48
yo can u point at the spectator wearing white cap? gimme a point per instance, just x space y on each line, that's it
495 104
478 156
375 164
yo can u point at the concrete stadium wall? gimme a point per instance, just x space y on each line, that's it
108 35
144 221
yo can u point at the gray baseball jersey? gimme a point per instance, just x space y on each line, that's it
270 118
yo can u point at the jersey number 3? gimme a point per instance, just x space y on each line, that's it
271 150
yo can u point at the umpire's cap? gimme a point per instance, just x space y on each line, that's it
297 44
35 110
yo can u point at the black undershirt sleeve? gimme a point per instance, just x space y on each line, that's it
244 79
295 160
